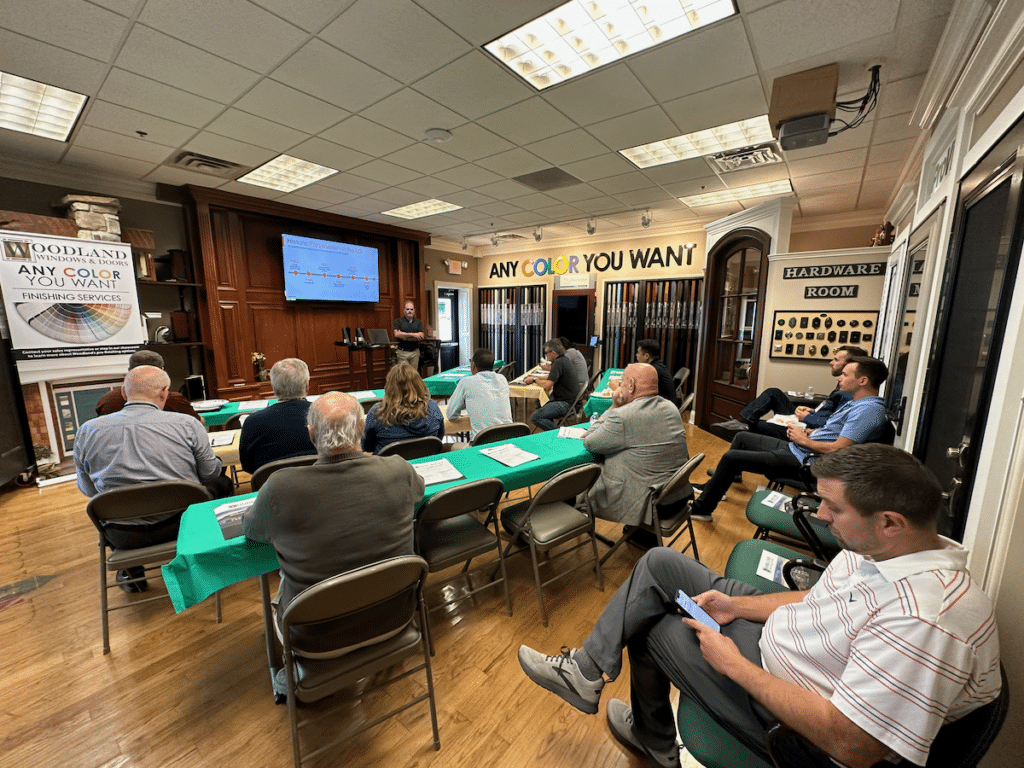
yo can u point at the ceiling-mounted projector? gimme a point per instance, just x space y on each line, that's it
802 107
803 132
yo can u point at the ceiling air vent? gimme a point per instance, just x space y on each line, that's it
547 179
745 158
211 166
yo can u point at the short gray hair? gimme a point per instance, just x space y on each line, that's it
336 419
289 378
554 345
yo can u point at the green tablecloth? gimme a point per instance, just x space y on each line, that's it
443 384
598 405
206 563
221 416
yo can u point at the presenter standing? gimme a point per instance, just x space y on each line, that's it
409 334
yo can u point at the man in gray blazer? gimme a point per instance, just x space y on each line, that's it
642 441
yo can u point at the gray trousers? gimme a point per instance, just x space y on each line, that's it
663 651
412 358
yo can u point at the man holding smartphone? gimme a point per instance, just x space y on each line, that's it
894 639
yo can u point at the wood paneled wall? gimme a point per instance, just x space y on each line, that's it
237 242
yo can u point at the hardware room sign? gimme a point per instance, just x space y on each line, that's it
864 269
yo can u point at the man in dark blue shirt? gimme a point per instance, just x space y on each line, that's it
279 432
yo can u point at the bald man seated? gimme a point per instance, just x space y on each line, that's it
143 443
642 441
347 510
115 399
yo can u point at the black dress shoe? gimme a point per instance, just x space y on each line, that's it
124 579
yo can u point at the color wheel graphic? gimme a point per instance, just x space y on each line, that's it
75 323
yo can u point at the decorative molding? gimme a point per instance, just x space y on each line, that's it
837 221
839 253
902 207
69 177
996 55
964 27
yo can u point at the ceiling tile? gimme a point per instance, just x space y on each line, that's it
215 27
242 126
468 176
574 193
808 184
395 36
890 151
723 104
693 63
228 149
505 189
468 198
311 15
599 205
80 27
89 137
605 93
106 163
126 88
474 85
462 215
836 200
527 121
356 185
325 194
875 171
916 45
718 211
366 204
695 186
522 217
567 147
423 158
396 197
641 127
471 142
251 190
325 72
429 187
112 117
647 196
17 144
682 170
560 211
482 22
122 7
151 54
316 150
515 162
412 113
499 208
622 183
600 167
304 201
366 136
44 63
894 128
898 97
824 27
531 201
287 106
385 172
837 162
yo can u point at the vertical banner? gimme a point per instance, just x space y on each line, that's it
67 297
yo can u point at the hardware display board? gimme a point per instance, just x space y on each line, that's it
802 335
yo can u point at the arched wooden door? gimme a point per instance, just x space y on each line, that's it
733 312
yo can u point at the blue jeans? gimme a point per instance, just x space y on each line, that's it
543 416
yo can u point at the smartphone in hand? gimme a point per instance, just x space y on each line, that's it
694 611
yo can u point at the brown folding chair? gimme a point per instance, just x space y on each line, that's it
414 448
508 370
658 496
140 500
259 477
447 533
381 601
500 433
550 520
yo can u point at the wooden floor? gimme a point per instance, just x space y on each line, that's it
182 690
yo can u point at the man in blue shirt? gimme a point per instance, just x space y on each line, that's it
279 432
861 420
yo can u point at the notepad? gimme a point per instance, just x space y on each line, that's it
575 433
218 439
439 471
253 405
229 517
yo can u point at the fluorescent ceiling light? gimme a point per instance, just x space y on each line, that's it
582 35
286 174
419 210
37 108
769 189
711 141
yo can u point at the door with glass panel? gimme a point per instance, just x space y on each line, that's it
737 274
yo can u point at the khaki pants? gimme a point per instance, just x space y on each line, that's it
412 358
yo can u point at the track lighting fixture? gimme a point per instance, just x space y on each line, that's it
538 233
465 245
645 219
591 226
494 239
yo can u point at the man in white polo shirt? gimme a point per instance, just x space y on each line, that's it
484 395
893 641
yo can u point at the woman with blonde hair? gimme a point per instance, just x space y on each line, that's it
405 412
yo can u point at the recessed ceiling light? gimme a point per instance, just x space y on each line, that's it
419 210
37 108
769 189
582 35
286 174
744 133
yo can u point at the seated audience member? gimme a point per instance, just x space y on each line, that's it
561 384
484 395
579 363
345 511
893 641
114 400
649 351
642 441
279 431
405 412
139 444
776 401
861 420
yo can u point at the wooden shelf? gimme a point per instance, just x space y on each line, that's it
166 282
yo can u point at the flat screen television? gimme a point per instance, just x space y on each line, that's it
324 270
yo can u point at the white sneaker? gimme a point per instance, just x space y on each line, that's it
561 675
620 721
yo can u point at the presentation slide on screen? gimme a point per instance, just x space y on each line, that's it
321 270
